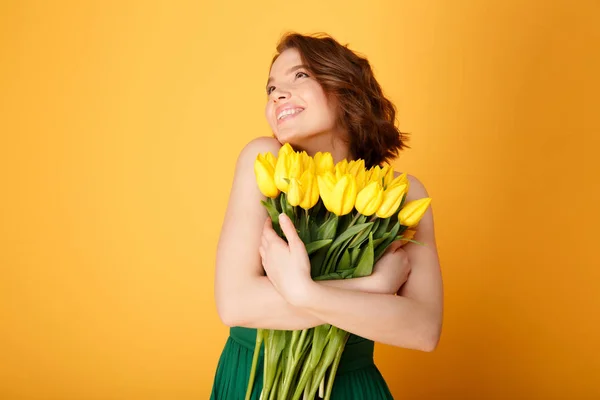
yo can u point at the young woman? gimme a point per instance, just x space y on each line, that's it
321 96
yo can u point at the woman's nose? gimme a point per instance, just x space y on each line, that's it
280 94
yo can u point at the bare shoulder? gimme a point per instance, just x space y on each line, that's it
245 188
261 144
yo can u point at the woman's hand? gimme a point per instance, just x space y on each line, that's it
391 271
287 264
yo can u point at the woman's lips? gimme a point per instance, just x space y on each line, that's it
289 116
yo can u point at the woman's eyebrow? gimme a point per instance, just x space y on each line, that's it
289 71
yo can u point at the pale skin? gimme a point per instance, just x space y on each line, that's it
263 282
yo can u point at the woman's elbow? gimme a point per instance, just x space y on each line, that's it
425 338
227 318
228 312
430 337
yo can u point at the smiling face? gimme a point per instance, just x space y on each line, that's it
298 110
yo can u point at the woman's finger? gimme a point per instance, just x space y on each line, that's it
289 230
268 231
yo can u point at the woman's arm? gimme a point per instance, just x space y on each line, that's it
412 319
244 295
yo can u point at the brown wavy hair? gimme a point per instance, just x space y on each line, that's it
364 112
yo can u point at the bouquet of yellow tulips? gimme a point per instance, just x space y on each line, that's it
346 216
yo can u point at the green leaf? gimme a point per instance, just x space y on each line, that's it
302 228
316 262
328 277
354 253
329 228
287 208
316 209
376 242
345 261
313 228
348 273
384 245
334 258
376 224
344 222
360 237
336 248
365 265
382 228
353 230
317 245
274 215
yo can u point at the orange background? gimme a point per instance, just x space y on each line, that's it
121 123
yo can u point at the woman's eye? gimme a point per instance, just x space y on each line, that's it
270 89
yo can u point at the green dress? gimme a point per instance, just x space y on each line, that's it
357 378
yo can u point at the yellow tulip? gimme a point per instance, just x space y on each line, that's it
355 166
323 162
374 174
339 195
361 180
326 184
308 163
341 168
311 189
289 165
264 168
294 193
388 176
281 172
413 211
369 199
271 159
399 180
296 166
304 191
392 196
286 148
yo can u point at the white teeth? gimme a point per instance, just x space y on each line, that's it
289 111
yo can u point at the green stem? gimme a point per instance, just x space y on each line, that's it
259 338
303 381
322 388
275 383
334 367
307 218
267 352
301 343
336 341
292 362
356 217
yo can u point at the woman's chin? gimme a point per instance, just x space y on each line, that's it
292 137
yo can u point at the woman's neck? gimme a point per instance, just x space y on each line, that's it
325 143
